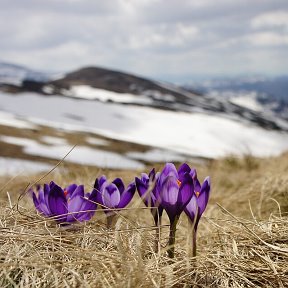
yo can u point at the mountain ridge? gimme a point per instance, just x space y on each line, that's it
128 89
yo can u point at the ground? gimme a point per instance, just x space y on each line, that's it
242 237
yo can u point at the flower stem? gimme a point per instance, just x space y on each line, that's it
157 220
110 220
192 249
172 236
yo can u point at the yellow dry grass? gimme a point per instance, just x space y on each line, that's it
242 238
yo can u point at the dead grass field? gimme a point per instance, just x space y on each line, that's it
242 237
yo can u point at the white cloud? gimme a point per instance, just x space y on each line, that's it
148 37
268 39
164 35
270 20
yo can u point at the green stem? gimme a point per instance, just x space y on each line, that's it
194 246
172 236
192 249
157 233
110 218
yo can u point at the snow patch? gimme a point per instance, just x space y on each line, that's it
88 92
51 140
11 166
8 119
157 155
96 141
80 154
85 155
194 134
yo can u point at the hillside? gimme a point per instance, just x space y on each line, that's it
119 120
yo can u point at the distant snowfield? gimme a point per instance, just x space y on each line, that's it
91 93
246 99
11 166
11 120
80 154
194 134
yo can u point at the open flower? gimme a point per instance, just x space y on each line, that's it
199 200
176 189
65 205
147 189
112 196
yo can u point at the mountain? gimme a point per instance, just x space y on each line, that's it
102 84
258 93
128 108
14 75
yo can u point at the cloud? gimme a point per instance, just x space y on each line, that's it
156 38
271 20
268 39
162 36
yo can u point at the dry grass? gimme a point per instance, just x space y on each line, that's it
242 241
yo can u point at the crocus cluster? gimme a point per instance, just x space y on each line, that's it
171 190
175 191
65 205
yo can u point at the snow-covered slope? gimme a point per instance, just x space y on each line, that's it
138 110
194 134
268 96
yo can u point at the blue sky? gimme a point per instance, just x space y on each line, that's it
170 40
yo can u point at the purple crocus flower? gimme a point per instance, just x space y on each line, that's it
176 190
112 196
65 205
199 200
149 192
197 205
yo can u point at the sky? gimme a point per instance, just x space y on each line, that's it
171 40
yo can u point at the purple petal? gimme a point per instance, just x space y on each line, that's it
79 191
96 184
152 174
197 185
170 190
169 170
191 208
35 201
193 173
183 169
74 206
89 206
186 192
46 193
99 199
144 178
169 196
102 180
52 184
141 186
40 203
120 185
204 195
57 202
157 188
145 193
110 196
127 196
41 198
70 189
